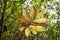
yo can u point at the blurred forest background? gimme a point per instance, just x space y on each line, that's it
9 9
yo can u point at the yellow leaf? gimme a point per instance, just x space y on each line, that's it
34 32
32 27
41 13
40 29
21 29
27 32
41 20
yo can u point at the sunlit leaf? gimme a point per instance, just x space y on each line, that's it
21 29
32 27
8 9
41 20
40 28
34 32
27 32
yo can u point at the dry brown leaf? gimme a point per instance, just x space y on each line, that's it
33 12
26 15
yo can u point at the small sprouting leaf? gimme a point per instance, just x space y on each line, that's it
34 32
40 29
8 9
21 29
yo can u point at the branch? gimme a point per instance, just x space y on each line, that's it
2 19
